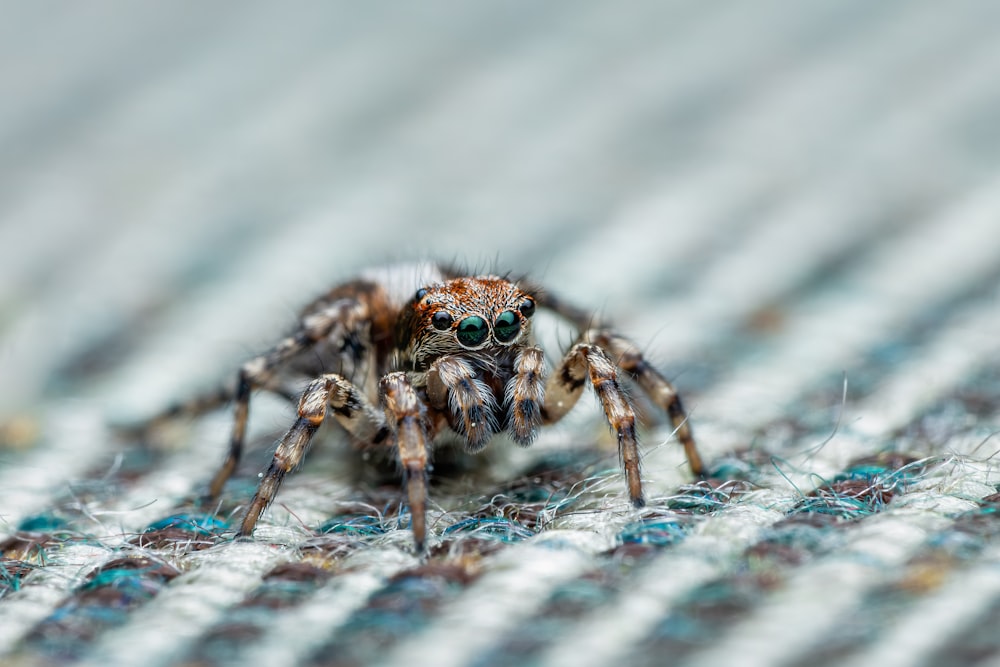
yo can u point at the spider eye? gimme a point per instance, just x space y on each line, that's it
421 293
527 307
472 331
506 327
441 320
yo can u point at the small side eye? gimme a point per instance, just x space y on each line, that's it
421 293
506 327
527 307
441 320
472 331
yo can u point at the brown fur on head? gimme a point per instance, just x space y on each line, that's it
463 315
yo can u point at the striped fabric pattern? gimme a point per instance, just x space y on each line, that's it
794 208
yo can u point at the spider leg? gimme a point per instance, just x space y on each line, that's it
350 408
406 417
630 359
452 383
525 394
583 362
193 407
259 372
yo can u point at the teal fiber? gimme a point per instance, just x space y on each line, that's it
697 502
501 528
875 473
200 524
733 469
656 532
129 581
361 525
866 472
10 580
532 494
843 507
42 523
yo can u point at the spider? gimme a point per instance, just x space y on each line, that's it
405 353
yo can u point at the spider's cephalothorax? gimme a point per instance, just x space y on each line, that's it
467 344
404 353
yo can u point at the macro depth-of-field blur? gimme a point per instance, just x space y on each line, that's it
793 208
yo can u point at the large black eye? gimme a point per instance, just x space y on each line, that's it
527 307
441 320
506 326
421 293
472 331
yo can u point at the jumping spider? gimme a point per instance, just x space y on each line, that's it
403 353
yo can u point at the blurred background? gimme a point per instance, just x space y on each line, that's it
793 207
181 179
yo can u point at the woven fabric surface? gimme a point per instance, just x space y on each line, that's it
794 209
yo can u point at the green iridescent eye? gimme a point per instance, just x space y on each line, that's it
472 331
506 327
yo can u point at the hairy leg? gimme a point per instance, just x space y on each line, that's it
630 359
452 386
260 371
525 394
406 418
350 408
586 362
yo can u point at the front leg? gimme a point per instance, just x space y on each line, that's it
259 372
630 359
406 417
586 362
525 394
453 385
350 408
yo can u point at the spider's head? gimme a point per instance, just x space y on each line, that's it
484 313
